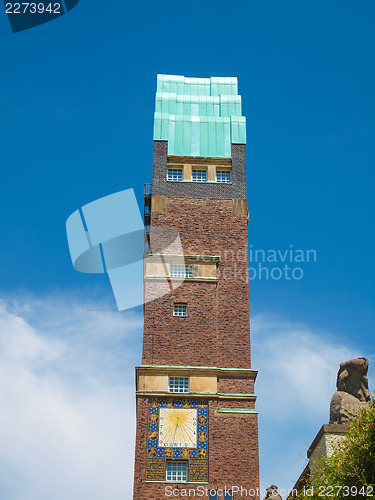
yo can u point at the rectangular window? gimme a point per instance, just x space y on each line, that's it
199 175
212 495
180 310
178 384
223 176
174 174
177 472
180 271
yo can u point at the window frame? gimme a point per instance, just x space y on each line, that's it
182 305
183 385
176 463
201 169
183 271
226 170
175 169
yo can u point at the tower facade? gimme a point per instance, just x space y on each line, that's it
196 417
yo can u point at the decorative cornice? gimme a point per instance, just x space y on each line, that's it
171 482
213 370
168 278
237 410
162 257
216 395
236 396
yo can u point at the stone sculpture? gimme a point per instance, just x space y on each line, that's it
272 493
352 390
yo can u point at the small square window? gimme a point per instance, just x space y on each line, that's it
180 310
223 176
177 472
180 271
178 384
199 175
174 174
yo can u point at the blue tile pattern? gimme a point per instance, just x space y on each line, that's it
201 452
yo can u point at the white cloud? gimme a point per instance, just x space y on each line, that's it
67 410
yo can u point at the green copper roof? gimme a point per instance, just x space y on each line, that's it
199 116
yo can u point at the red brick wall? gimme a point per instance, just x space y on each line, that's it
217 329
235 385
233 451
233 445
141 449
237 189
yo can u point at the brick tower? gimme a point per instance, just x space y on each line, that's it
196 419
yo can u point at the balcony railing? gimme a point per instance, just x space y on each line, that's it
147 214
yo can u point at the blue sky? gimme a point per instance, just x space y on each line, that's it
76 116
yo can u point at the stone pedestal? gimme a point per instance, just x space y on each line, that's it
322 446
324 443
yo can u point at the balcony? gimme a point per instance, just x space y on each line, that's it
147 214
